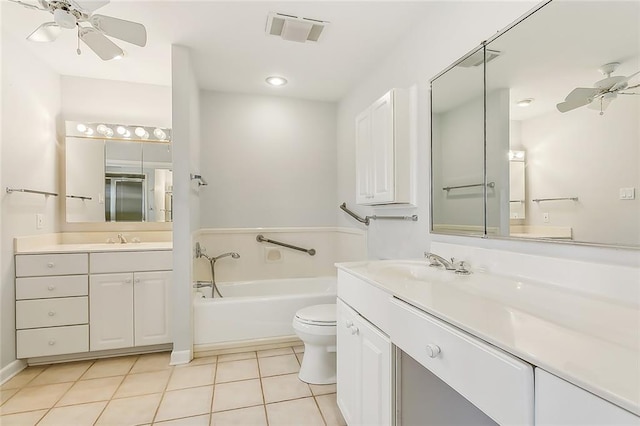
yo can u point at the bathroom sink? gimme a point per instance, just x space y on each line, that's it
410 270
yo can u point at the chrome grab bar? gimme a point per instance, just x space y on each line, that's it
449 188
31 191
80 197
537 200
261 239
367 219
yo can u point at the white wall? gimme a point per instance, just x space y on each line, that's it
269 161
561 164
186 204
29 150
453 29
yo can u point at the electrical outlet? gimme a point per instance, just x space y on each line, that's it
627 193
545 217
39 221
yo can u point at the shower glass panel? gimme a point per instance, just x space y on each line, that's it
125 198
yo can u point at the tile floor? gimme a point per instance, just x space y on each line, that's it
250 388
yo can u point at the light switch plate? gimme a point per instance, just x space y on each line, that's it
39 221
545 217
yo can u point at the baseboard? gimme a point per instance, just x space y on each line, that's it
138 350
204 350
11 370
180 357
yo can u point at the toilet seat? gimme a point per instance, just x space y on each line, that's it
318 315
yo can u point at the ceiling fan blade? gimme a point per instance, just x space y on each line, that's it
88 6
27 5
573 104
101 45
582 93
128 31
623 83
49 31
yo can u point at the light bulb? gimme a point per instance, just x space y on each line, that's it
159 133
109 132
121 130
146 135
276 81
81 127
126 134
140 132
89 131
102 129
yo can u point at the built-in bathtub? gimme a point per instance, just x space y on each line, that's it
256 310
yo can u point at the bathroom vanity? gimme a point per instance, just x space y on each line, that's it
420 345
75 299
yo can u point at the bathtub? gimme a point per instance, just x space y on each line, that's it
255 310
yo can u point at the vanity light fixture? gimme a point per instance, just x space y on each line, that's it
114 131
81 127
525 102
102 129
140 132
276 81
159 133
89 131
121 130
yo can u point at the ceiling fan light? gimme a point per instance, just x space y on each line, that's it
64 18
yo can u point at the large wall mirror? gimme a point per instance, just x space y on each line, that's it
118 173
536 134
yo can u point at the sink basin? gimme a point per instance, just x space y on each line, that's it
410 270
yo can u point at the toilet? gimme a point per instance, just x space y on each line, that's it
316 327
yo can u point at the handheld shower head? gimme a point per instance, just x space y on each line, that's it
234 255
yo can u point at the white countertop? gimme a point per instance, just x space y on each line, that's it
96 247
590 341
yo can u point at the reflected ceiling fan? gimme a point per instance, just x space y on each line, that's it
92 28
600 96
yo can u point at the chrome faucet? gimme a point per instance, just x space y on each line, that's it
122 239
212 263
439 261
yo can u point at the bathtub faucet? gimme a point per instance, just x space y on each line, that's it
212 263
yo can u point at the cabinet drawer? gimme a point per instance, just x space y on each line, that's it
139 261
52 341
37 265
46 287
52 312
370 302
497 383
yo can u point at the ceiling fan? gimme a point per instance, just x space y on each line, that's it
600 96
92 28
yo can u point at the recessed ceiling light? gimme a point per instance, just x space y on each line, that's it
525 102
276 81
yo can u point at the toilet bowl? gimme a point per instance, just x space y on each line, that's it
316 327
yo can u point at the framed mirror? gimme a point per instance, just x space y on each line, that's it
117 173
561 133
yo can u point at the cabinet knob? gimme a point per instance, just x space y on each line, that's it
348 323
51 287
137 280
433 350
50 265
52 342
51 313
128 280
355 330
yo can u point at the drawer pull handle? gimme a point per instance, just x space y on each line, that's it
433 350
355 330
51 287
348 323
52 342
50 265
51 313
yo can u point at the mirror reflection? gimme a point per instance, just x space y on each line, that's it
118 180
562 133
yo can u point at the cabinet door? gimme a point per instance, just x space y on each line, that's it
348 363
111 311
152 308
560 403
364 193
382 149
375 380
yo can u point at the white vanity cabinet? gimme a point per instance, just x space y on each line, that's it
51 304
559 402
382 151
129 299
364 369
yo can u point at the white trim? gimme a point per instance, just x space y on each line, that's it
181 357
280 230
11 370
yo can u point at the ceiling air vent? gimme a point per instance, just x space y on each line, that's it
294 28
476 58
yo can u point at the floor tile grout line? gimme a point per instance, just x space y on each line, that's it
213 391
321 413
264 400
164 392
